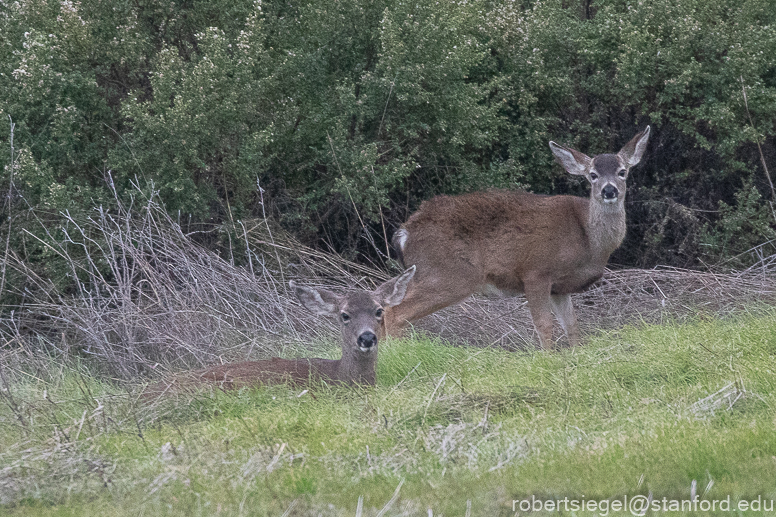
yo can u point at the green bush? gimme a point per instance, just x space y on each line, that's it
743 227
351 113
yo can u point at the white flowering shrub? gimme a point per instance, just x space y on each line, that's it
350 113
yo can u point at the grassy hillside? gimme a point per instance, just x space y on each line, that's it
447 431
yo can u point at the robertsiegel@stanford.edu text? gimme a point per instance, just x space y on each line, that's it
639 505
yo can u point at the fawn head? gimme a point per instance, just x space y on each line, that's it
359 313
606 173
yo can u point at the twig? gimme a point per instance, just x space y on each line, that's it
759 147
247 247
290 507
391 500
382 222
404 379
9 201
385 109
6 394
269 230
431 399
360 506
276 458
363 226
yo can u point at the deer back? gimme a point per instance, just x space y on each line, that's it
497 237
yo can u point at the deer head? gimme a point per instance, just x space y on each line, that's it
359 314
607 173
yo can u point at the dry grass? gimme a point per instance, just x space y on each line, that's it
149 299
148 296
622 297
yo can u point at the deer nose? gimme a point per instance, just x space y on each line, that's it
609 192
367 340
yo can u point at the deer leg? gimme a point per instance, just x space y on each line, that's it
564 311
422 298
391 325
537 295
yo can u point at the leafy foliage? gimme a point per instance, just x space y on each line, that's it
350 113
744 226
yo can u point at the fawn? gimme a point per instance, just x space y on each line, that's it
359 314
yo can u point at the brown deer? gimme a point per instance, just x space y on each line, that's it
544 246
359 314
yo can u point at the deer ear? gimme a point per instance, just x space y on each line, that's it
317 301
573 161
633 150
392 292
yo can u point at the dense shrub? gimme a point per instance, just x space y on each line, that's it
349 113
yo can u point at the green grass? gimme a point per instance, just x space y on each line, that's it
455 426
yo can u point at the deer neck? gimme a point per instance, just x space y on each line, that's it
606 227
357 368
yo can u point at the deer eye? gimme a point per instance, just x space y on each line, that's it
622 173
345 317
379 313
593 176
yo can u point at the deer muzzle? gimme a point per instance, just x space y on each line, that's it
609 193
367 341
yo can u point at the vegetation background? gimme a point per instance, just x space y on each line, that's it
167 166
337 118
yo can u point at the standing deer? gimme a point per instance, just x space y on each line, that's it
359 315
544 246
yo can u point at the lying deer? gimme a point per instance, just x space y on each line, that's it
359 315
544 246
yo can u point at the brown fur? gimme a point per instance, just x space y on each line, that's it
252 374
359 315
544 246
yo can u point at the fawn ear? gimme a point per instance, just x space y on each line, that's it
392 292
632 151
573 161
317 301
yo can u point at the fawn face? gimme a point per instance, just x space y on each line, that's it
359 314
